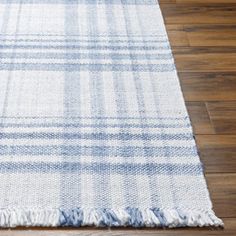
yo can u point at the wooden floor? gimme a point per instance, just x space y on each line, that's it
203 38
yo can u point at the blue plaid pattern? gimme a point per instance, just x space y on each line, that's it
93 126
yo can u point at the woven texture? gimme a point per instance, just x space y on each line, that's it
94 130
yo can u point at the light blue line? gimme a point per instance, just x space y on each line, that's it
99 40
98 107
153 185
91 36
72 106
127 196
84 2
87 67
79 125
94 47
104 168
96 151
80 55
95 117
97 136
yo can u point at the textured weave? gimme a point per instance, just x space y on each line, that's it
93 126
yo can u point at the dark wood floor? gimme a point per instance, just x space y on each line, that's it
203 38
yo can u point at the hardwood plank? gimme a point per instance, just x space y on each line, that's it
167 1
199 13
193 232
229 230
211 35
223 193
223 116
199 118
203 1
205 59
218 153
177 35
213 86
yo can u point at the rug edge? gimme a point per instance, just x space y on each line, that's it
78 217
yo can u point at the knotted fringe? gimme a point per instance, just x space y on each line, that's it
134 217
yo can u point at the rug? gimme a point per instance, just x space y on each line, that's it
93 126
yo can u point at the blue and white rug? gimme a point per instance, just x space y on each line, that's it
93 126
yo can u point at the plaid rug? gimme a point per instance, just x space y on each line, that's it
93 126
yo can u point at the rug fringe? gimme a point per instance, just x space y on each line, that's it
134 217
24 217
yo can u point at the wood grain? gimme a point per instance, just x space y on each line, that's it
210 35
205 59
213 86
223 193
229 231
199 13
223 116
200 1
218 153
199 117
177 35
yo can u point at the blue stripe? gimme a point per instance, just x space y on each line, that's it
72 105
96 136
94 47
120 104
113 56
86 67
102 168
153 118
98 40
153 185
97 91
77 125
115 35
85 2
97 151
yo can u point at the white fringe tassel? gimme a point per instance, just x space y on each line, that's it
108 217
